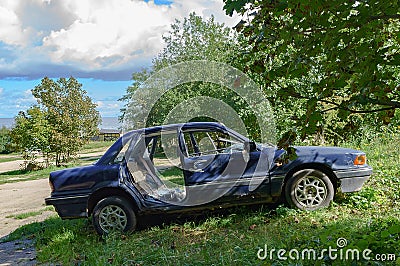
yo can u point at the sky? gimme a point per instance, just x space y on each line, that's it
99 42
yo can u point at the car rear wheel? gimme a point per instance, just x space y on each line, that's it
309 189
113 214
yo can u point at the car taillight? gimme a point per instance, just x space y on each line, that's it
51 186
360 160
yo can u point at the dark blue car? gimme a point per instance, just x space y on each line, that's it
197 166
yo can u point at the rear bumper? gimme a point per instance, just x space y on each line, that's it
69 207
353 179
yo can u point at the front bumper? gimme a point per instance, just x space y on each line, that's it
69 207
353 179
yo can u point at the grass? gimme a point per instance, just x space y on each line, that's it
21 216
6 158
173 174
95 146
23 175
368 219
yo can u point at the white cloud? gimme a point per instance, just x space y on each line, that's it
109 108
10 28
77 37
110 34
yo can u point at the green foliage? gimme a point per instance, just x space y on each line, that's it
5 140
323 63
196 39
62 122
190 39
31 133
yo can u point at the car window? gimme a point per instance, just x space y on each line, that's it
155 166
120 157
210 142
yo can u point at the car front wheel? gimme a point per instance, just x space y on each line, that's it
309 189
113 214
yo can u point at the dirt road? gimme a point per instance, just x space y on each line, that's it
23 198
20 198
10 166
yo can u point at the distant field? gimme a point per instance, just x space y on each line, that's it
96 146
19 175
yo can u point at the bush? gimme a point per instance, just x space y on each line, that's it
5 141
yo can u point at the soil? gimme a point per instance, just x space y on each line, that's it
18 198
22 197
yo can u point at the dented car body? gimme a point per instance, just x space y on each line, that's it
195 166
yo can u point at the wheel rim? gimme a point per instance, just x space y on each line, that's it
310 191
112 218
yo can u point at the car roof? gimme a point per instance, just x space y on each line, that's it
183 126
116 147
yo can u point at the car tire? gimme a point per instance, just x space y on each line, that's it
113 214
309 189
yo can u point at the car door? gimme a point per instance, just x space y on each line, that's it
219 166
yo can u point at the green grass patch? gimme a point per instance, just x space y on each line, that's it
173 174
25 215
94 146
368 219
234 238
4 159
24 175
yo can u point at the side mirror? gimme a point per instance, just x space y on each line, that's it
250 146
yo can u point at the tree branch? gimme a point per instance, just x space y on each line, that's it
385 17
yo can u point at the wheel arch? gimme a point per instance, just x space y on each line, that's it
317 166
108 192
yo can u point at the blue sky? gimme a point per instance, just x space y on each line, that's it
99 42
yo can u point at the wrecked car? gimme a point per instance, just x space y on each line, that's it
197 166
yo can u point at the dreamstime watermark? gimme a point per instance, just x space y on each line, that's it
340 252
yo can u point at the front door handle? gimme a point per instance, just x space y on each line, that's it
198 164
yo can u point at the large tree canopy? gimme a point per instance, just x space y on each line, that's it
341 56
64 119
190 39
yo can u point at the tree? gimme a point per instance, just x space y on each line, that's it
64 119
197 39
71 114
31 134
5 140
339 59
190 39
